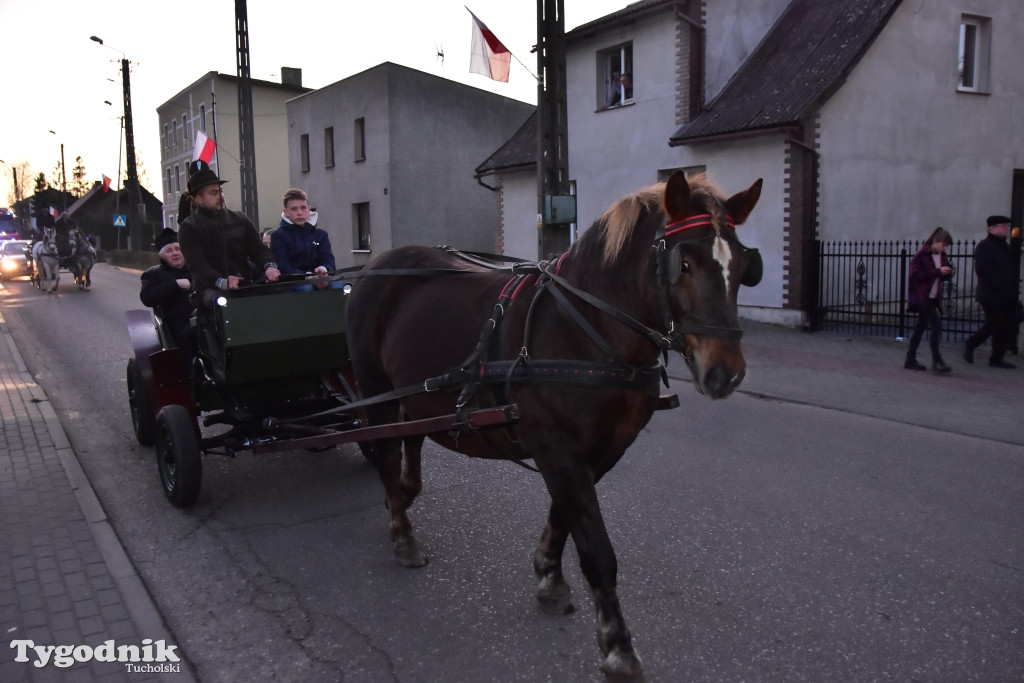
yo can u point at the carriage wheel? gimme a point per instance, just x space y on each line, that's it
178 456
143 420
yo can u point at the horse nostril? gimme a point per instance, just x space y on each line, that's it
717 381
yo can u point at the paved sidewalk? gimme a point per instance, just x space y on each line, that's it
64 577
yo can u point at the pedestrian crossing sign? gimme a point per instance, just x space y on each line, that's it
119 220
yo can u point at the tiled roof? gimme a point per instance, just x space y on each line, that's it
520 151
800 63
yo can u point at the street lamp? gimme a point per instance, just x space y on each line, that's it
135 209
63 174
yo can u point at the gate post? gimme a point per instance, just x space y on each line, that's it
903 295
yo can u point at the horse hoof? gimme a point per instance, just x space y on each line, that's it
555 598
409 552
620 667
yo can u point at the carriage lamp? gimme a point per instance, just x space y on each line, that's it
222 301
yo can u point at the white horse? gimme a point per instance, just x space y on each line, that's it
83 257
47 259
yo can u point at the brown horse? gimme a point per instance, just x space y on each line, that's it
578 350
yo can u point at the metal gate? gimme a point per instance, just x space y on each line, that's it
862 289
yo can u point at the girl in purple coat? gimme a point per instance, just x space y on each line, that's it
928 268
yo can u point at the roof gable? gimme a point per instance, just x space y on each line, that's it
801 62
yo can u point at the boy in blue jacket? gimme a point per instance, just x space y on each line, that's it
298 245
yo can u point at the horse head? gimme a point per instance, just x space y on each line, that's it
700 265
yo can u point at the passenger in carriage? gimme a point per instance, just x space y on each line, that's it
165 288
300 246
218 243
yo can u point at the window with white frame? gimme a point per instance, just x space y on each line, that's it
202 117
177 178
174 135
167 181
185 137
304 152
973 62
167 137
615 76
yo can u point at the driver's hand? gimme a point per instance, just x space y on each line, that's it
272 274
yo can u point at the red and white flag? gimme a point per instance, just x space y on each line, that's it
488 56
54 212
106 184
204 149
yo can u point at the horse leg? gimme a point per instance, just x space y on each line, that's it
577 504
400 487
553 593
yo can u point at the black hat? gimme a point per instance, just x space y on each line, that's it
200 175
167 236
996 220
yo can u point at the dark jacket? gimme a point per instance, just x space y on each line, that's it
161 292
923 274
993 265
221 243
301 248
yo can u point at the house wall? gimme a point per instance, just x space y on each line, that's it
440 130
614 152
902 151
519 234
424 138
270 133
333 191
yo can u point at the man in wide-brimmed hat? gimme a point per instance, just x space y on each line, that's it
218 243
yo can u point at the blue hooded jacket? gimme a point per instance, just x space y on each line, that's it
301 248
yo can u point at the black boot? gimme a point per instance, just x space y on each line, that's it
939 365
912 364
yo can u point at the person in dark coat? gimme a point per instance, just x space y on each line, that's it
165 289
996 292
218 243
299 246
929 267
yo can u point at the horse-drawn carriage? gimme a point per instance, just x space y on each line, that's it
69 251
559 363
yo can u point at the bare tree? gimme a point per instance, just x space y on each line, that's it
40 183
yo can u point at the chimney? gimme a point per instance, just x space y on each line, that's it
291 76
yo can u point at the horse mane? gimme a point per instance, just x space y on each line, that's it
622 217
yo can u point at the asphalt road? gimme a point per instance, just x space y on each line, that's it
758 538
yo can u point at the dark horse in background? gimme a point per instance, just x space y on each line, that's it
667 257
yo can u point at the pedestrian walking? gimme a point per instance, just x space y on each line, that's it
996 292
929 267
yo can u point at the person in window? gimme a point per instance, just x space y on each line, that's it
165 289
218 243
929 267
996 292
620 83
299 246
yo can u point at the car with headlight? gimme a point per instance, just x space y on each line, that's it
16 259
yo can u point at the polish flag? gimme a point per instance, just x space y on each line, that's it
106 184
488 56
54 212
204 149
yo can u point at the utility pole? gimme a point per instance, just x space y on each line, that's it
136 209
246 135
555 206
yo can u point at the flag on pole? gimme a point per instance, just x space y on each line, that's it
106 184
488 56
54 212
204 149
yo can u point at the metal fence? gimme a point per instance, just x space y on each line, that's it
863 289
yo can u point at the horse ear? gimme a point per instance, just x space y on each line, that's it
741 204
676 202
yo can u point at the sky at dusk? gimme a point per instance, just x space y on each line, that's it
57 79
